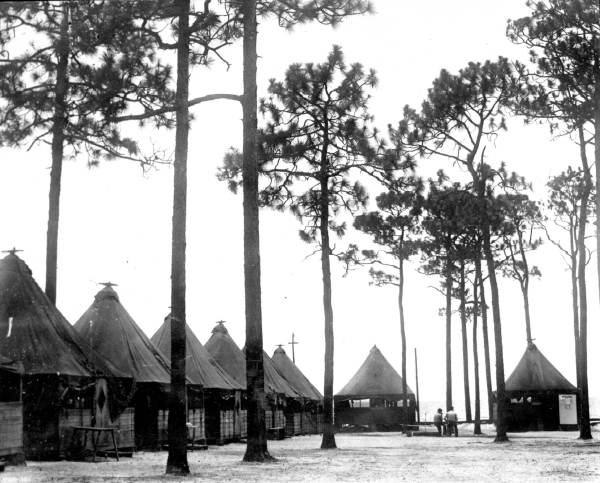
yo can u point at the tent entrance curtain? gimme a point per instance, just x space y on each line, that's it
534 411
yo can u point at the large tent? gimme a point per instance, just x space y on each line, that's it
220 393
57 373
108 330
303 418
537 390
373 397
231 358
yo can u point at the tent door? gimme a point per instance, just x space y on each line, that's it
567 409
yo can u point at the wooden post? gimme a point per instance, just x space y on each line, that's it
293 343
417 378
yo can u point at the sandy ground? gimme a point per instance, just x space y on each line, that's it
554 456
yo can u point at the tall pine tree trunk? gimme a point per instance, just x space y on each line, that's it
597 147
477 425
256 447
448 334
328 441
585 431
403 337
465 345
177 459
575 304
486 340
501 401
524 282
58 138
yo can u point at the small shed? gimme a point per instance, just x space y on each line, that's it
303 416
373 398
11 411
536 391
111 335
220 394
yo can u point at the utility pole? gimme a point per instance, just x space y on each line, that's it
417 378
293 343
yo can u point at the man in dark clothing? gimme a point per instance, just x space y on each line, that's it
452 422
437 420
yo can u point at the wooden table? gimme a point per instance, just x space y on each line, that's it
95 432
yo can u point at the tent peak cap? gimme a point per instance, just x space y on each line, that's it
12 262
107 292
220 328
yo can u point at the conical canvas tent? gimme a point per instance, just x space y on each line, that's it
231 358
303 418
220 394
373 397
56 369
108 329
536 390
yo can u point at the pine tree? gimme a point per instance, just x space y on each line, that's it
564 91
394 229
80 68
461 114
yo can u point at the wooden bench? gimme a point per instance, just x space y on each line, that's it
276 433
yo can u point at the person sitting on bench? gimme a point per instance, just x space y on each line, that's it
452 422
438 420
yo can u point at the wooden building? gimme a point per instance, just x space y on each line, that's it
540 397
11 412
373 398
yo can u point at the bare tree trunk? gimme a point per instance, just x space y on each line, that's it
58 137
524 282
597 147
575 296
477 425
403 337
525 293
177 459
328 441
486 342
256 447
501 402
585 431
465 345
448 334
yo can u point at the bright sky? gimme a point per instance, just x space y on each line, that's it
116 222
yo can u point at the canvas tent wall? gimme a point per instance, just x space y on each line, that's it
108 330
305 416
219 392
231 358
534 388
11 411
58 377
373 397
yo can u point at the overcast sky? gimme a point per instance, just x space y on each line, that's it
116 221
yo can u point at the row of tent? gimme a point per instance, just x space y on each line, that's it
104 371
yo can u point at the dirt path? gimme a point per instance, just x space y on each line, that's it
361 457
